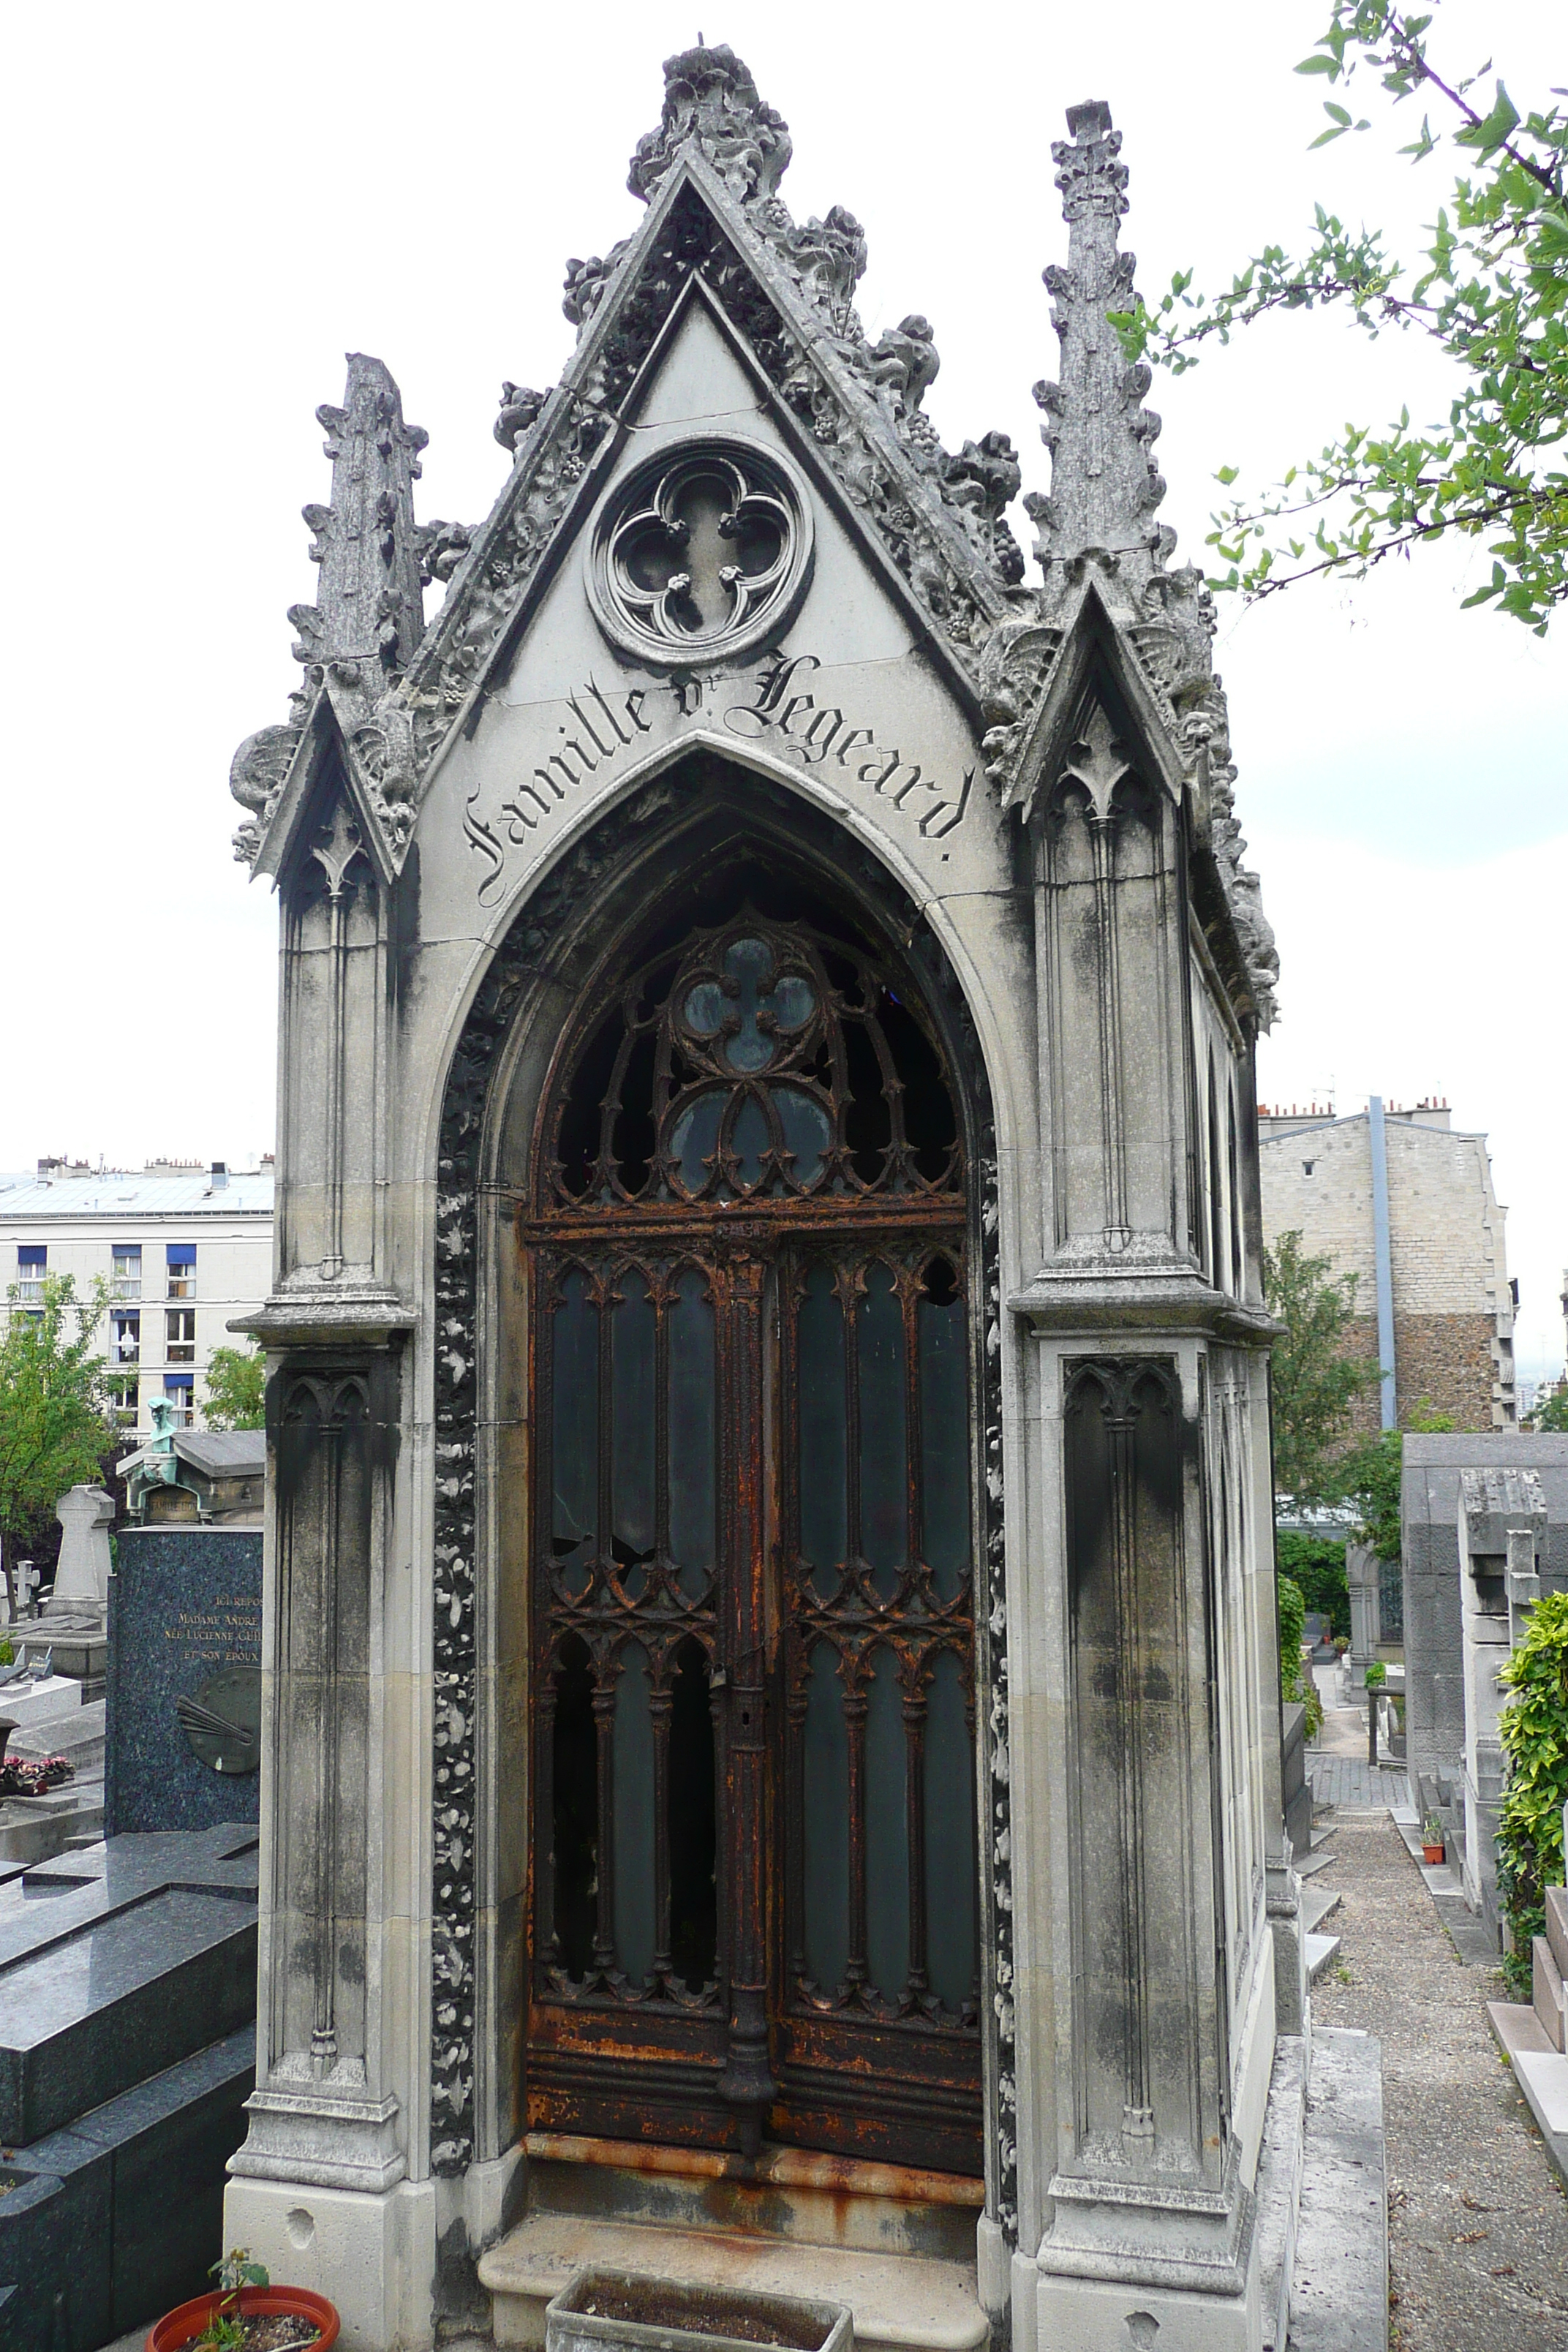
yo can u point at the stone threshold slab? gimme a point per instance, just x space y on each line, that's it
1541 2071
1339 2296
905 2302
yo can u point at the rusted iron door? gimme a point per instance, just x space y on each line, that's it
754 1891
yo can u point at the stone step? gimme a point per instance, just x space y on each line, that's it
1320 1950
1557 1926
1318 1903
1313 1864
1541 2071
1546 1990
907 2303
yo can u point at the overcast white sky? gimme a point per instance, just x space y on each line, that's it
206 207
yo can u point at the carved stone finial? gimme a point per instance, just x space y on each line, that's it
368 615
709 97
1104 484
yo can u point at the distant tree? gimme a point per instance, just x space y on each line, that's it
236 1384
1550 1418
1490 291
1316 1381
1317 1566
1371 1475
55 1425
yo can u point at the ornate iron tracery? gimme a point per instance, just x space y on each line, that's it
754 1545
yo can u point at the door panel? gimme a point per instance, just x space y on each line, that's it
754 1882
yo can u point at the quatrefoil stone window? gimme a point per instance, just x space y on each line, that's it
704 552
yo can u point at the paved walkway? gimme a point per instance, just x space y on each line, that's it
1337 1762
1351 1781
1478 2216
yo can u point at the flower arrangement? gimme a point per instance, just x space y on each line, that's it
20 1779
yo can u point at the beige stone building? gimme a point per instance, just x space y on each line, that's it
1403 1203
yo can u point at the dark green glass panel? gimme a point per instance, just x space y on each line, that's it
827 1824
886 1831
693 1906
575 1428
574 1831
634 1816
634 1362
691 1431
884 1453
945 1431
694 1140
949 1837
749 1138
824 1525
807 1131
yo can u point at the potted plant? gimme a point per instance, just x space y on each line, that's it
1342 1643
247 2314
1432 1839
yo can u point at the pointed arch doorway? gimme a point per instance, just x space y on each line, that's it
753 1908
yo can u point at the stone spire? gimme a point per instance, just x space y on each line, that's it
1104 484
368 615
711 99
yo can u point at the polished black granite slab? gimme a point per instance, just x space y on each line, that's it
185 1633
118 2218
117 1962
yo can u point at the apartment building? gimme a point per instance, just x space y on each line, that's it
182 1248
1404 1202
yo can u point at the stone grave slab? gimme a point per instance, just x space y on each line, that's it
184 1679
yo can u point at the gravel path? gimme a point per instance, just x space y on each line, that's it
1477 2217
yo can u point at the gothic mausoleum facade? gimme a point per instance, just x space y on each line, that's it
771 1710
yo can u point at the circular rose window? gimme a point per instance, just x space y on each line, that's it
703 553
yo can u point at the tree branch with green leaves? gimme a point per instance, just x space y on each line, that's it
1490 289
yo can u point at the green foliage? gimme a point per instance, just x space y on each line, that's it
1317 1563
54 1423
1551 1418
236 2270
1372 1474
1490 291
1376 1675
1534 1734
236 1383
1293 1684
1314 1383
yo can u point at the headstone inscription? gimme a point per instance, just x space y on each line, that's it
184 1723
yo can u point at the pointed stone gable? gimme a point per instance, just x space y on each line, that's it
1013 655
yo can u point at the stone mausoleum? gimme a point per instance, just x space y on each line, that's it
771 1714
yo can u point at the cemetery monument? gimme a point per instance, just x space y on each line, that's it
770 1707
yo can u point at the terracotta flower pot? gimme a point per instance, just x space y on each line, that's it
1432 1853
187 2320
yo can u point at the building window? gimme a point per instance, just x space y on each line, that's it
1307 1166
126 1280
182 1262
125 1340
32 1263
181 1348
125 1400
179 1388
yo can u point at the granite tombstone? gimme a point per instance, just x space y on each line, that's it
183 1735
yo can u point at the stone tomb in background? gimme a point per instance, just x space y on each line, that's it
184 1679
